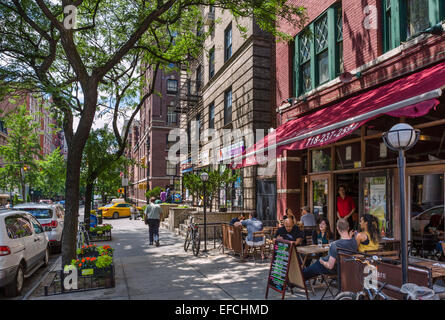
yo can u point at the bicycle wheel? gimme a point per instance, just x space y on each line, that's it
196 243
187 241
346 296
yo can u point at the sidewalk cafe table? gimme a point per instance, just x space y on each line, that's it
312 250
437 267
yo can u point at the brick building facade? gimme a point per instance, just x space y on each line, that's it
352 48
148 144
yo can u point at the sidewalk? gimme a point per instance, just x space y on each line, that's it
168 273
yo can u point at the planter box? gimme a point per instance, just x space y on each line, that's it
93 254
166 209
105 236
177 216
88 279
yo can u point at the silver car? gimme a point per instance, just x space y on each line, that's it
49 215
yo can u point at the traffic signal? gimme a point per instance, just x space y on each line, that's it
120 190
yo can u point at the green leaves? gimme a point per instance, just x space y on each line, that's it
22 148
51 175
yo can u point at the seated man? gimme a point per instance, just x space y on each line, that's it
290 232
326 265
237 219
307 218
253 225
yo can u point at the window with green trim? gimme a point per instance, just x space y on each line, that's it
405 19
319 51
305 63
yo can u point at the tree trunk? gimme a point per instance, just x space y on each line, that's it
71 206
88 196
74 160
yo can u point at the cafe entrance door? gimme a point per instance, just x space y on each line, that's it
350 181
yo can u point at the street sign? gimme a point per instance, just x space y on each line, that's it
124 182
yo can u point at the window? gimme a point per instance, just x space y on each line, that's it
3 127
171 169
198 78
211 63
228 42
339 37
212 116
418 17
305 61
36 225
171 115
319 51
228 106
172 86
40 213
404 19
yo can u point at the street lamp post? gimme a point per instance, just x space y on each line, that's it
400 138
204 179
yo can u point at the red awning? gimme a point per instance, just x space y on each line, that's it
411 96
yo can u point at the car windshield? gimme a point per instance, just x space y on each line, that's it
109 205
40 213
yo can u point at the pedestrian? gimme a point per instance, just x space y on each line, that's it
132 213
345 207
152 218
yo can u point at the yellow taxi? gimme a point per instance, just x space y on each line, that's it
116 209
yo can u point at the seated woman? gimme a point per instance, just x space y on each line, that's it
369 237
323 232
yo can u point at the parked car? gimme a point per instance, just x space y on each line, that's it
420 221
116 210
23 249
51 215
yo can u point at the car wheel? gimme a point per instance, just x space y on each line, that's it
15 288
116 215
46 257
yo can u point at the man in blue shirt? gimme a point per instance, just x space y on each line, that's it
253 225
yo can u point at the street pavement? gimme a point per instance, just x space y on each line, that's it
145 272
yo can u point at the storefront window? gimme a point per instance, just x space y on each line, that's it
348 156
321 160
426 214
377 154
430 147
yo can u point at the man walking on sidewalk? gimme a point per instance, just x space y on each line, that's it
152 216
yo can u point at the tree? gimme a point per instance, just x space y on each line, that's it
101 161
21 151
46 47
51 175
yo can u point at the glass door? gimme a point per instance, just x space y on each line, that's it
426 214
320 199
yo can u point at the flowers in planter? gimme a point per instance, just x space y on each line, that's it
101 229
84 263
86 249
105 250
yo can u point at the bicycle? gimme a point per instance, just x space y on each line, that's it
372 291
83 238
192 237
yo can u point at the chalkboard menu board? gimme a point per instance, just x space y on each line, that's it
279 266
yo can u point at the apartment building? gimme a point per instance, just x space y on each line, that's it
231 89
148 140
